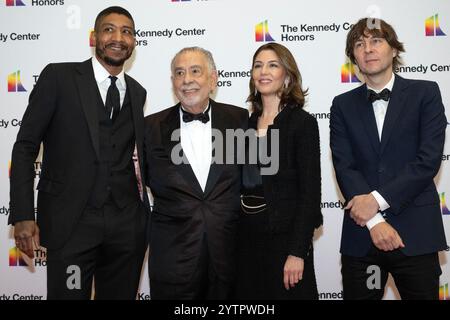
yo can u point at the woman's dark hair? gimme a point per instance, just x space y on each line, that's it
292 94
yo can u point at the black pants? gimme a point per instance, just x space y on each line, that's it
260 263
108 244
204 284
416 277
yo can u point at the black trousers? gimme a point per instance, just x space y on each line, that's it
204 284
107 245
260 263
416 277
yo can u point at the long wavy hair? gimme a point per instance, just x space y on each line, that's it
291 94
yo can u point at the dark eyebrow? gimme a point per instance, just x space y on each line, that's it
109 24
259 61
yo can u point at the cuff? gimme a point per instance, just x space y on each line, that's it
375 220
381 202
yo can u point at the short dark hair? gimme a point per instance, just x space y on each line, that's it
292 94
378 28
110 10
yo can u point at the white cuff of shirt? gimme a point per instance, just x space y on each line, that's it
378 218
381 202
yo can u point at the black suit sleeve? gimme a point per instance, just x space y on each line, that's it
308 214
350 180
41 106
149 126
419 174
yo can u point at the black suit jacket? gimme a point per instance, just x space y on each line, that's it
182 212
293 194
62 114
401 167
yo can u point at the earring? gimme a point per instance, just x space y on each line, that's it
286 84
256 92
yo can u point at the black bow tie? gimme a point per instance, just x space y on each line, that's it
203 117
383 95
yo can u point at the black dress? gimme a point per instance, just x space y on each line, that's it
262 253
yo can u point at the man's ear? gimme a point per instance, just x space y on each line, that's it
394 53
93 37
214 79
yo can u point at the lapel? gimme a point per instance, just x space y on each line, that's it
365 110
138 117
281 120
219 121
395 107
89 95
168 126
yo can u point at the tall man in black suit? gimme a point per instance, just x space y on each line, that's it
387 138
196 201
91 215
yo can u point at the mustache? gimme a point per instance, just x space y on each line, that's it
117 44
190 88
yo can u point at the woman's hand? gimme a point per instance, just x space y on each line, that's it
293 271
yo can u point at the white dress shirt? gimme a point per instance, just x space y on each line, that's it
103 81
196 141
380 109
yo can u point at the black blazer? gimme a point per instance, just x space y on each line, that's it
293 194
401 167
62 114
182 212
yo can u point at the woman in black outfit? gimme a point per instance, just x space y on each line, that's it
279 212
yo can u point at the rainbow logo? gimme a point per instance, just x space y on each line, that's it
14 84
432 27
91 38
262 32
444 208
443 292
348 74
14 3
15 258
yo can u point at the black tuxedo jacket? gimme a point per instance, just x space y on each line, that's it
182 212
401 166
62 114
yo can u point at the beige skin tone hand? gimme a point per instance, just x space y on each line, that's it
362 208
26 234
293 271
385 237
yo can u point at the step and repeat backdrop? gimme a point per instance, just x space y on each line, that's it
34 33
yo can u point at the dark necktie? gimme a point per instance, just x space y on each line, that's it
203 117
372 96
113 99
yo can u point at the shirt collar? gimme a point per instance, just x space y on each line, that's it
186 123
101 74
388 85
206 108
